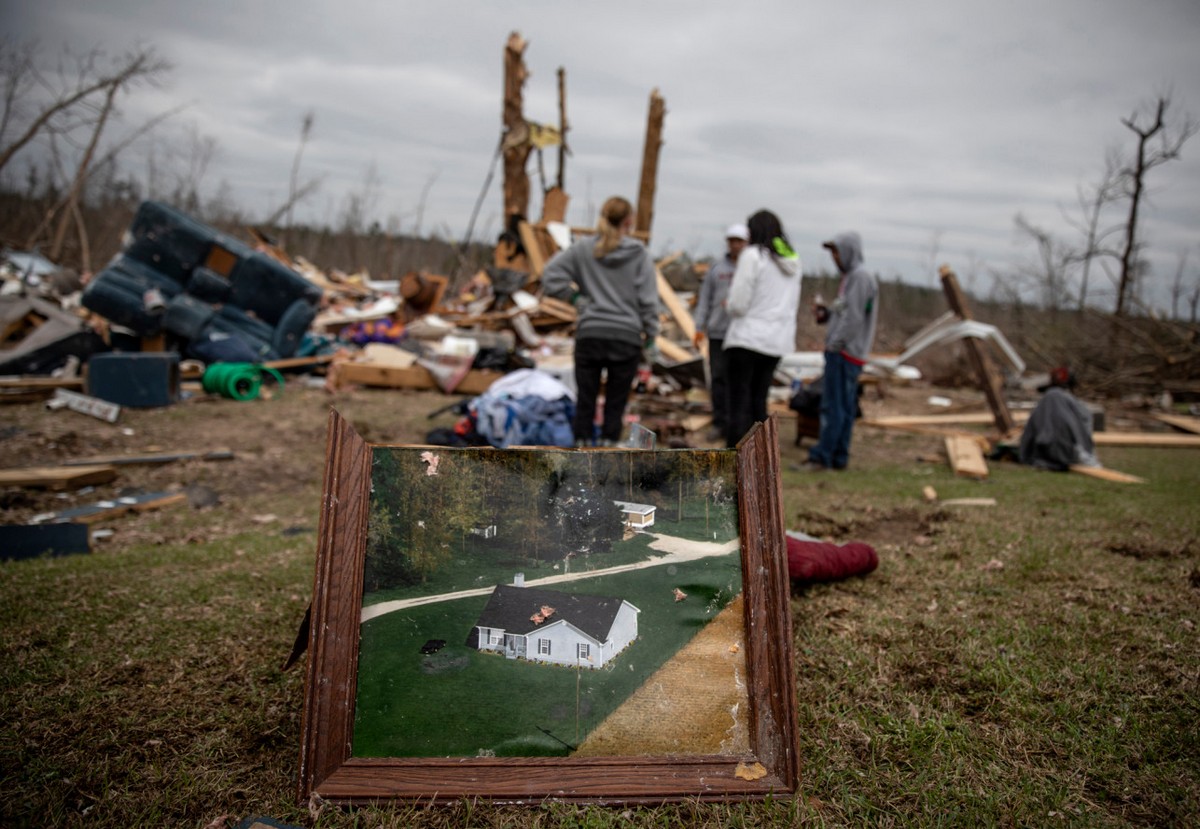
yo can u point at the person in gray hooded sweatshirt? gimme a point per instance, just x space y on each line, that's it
610 278
762 305
851 321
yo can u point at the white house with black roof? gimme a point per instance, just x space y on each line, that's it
550 626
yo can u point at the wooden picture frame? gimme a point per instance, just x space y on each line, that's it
767 766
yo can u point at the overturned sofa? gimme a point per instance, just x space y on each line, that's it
180 278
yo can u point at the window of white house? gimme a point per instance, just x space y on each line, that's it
544 647
582 650
494 637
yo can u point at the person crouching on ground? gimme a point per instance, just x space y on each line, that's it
763 301
610 279
851 321
712 321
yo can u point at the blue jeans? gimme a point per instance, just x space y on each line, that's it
839 404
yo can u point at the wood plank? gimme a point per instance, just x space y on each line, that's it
963 419
153 458
41 382
58 477
683 317
672 351
1152 439
1107 474
966 458
985 370
1187 424
533 249
475 381
102 510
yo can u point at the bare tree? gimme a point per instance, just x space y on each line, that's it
1092 202
1049 276
1177 285
1147 157
294 188
65 98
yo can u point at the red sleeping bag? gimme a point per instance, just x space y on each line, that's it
816 561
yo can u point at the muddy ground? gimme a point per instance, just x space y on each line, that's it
278 447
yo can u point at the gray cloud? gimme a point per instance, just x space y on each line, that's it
900 120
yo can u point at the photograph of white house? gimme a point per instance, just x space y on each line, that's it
550 626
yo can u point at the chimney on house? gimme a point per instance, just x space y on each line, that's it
519 580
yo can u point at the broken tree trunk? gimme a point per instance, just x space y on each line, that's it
985 370
654 124
516 144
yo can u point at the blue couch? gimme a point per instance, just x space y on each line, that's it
179 277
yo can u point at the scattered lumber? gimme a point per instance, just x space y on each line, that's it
1147 439
29 383
153 458
1107 474
475 381
670 299
58 477
102 510
968 502
963 419
1182 422
966 457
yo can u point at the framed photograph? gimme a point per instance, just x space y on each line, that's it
545 624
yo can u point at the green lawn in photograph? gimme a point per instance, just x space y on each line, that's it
461 702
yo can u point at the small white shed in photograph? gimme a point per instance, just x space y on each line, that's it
637 516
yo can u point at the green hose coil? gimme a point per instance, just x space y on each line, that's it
238 381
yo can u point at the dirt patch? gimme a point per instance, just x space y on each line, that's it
1140 549
694 704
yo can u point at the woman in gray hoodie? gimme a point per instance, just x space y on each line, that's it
610 279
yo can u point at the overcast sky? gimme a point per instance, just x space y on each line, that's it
913 123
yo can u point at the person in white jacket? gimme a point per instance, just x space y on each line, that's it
762 305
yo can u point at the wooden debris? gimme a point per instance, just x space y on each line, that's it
58 477
963 419
968 502
682 316
153 458
1148 439
966 457
475 381
102 510
1183 422
1107 474
985 370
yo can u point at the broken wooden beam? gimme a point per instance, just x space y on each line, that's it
1149 439
989 378
1181 422
1107 474
153 458
58 477
966 457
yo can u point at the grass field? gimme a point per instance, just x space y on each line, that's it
1034 663
460 702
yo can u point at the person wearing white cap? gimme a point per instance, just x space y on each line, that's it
712 321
